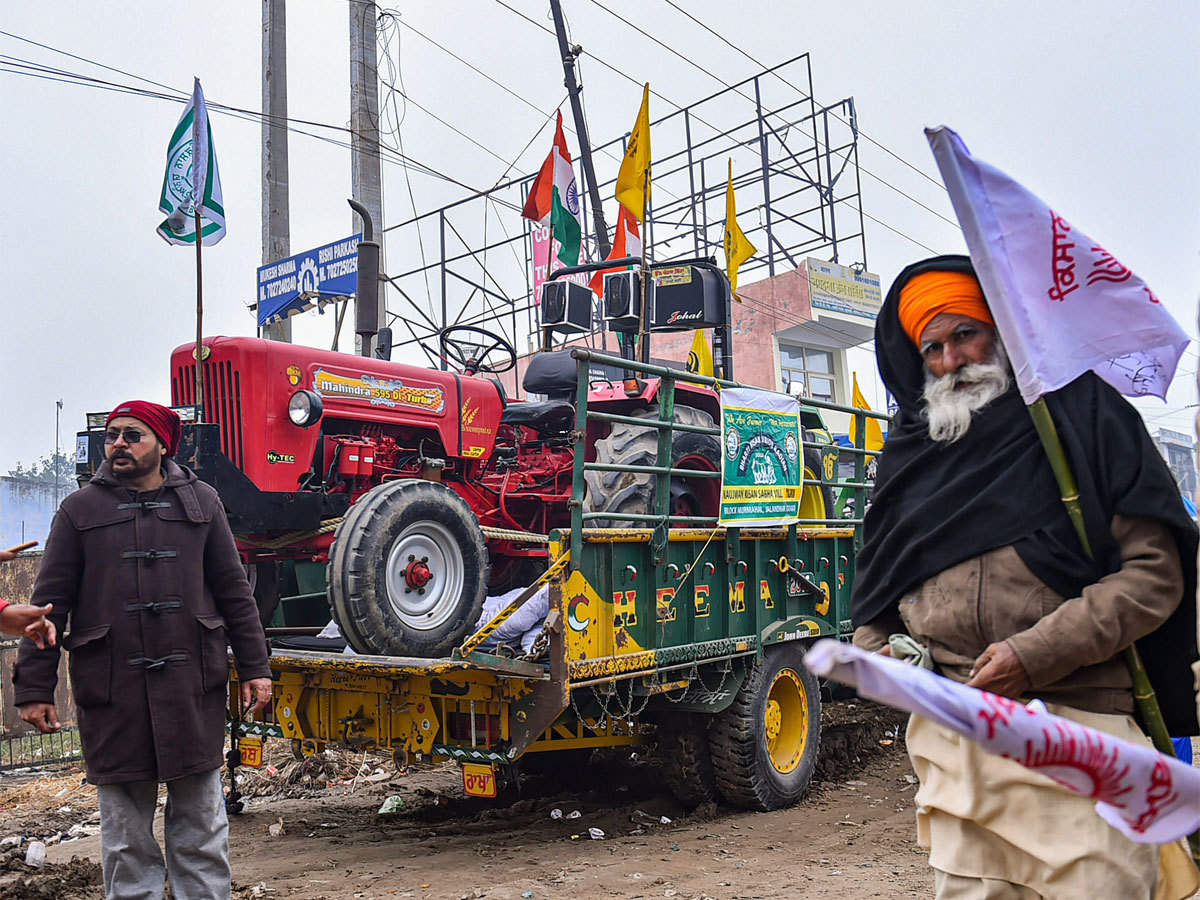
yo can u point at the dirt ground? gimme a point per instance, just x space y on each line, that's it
313 830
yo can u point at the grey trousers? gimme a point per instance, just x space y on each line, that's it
196 833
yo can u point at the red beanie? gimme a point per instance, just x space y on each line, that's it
162 421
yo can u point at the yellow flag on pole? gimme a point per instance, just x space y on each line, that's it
700 358
738 248
633 178
873 439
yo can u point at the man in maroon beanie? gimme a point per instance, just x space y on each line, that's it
142 564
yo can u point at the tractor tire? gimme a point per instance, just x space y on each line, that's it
816 500
687 766
764 746
407 571
628 492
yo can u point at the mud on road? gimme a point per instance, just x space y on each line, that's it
314 830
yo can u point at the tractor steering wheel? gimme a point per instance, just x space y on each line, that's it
476 344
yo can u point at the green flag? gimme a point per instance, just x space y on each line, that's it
192 179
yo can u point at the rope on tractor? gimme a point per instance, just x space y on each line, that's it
509 534
295 537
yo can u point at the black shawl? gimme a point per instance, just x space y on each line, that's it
937 504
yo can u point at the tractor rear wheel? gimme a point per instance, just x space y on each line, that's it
765 745
634 445
687 767
816 500
407 570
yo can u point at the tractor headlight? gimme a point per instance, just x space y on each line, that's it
305 408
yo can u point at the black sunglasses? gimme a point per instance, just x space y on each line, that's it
130 435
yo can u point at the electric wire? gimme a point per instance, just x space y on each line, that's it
633 80
866 136
695 65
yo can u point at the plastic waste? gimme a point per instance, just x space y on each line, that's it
392 804
36 854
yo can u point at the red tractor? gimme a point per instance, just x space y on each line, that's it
421 489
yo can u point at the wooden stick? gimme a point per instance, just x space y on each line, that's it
24 546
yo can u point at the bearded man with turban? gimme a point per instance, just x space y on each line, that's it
971 564
142 564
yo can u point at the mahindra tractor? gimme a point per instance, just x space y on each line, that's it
423 490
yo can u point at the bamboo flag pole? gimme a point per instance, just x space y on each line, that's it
198 353
1143 692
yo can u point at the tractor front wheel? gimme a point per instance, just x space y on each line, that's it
407 571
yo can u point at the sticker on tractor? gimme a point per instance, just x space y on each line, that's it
473 452
274 456
294 374
673 275
390 392
251 749
479 780
470 412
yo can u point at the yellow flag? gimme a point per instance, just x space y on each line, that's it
738 248
873 440
633 178
700 359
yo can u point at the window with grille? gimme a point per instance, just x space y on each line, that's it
811 367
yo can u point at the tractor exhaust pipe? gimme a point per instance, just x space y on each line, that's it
366 307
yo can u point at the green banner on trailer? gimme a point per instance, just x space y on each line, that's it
763 471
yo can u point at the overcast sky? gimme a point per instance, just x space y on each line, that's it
1090 105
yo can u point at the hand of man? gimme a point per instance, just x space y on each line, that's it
6 555
42 716
998 669
30 621
258 691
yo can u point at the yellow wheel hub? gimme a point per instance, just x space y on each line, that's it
774 720
812 499
786 721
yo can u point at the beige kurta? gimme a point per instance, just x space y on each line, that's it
982 816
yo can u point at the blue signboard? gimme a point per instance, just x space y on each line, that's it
308 279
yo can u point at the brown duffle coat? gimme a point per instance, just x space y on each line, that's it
153 591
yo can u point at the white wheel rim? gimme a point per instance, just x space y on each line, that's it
432 543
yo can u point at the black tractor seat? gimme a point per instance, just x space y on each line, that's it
544 417
553 373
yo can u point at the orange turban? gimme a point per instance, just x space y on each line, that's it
927 295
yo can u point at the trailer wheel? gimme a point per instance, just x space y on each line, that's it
628 492
764 746
687 766
407 570
816 500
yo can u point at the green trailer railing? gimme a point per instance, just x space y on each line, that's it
662 518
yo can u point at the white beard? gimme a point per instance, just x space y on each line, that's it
949 406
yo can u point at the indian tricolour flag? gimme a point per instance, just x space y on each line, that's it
191 180
626 242
554 193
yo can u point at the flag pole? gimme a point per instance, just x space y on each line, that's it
199 351
643 333
1143 692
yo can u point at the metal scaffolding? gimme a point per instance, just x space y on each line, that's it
795 176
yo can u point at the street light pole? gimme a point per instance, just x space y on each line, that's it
57 412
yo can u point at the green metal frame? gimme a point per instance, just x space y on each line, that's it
661 518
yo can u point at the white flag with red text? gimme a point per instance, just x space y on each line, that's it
1062 303
1148 797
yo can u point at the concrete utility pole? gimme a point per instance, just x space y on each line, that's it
276 236
366 186
585 146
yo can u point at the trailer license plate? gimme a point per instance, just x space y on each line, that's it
251 749
479 780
